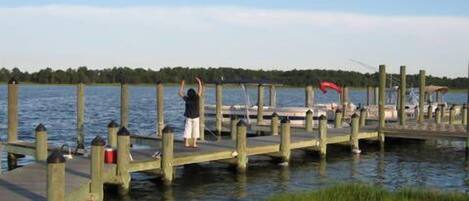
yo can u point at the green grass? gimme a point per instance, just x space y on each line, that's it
362 192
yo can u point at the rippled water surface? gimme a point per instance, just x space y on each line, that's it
403 163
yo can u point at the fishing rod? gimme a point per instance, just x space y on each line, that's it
370 67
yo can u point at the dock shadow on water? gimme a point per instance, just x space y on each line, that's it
403 163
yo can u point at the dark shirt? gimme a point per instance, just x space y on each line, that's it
192 107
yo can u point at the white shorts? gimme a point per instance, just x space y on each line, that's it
191 129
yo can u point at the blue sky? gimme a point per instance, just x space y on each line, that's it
431 35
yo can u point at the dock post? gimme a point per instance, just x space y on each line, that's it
123 159
273 96
112 129
429 112
80 115
202 113
421 95
285 140
274 124
363 115
234 124
376 96
309 121
218 108
124 105
402 96
309 96
452 115
12 119
241 146
438 115
354 134
41 142
368 94
97 167
55 177
338 119
464 114
159 108
167 155
322 136
443 113
382 91
260 104
345 99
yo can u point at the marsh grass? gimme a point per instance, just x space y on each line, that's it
363 192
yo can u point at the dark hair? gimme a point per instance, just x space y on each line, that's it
191 94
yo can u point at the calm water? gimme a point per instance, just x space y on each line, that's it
430 164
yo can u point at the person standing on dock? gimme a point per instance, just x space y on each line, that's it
191 99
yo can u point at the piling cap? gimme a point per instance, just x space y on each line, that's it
437 109
40 128
241 123
123 131
338 111
167 129
218 82
113 124
363 109
309 112
354 115
322 117
159 82
430 106
56 157
98 141
13 81
275 114
452 107
234 117
285 120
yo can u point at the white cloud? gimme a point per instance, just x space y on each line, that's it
69 36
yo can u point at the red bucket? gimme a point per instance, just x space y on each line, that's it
110 156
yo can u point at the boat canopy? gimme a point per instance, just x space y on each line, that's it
433 89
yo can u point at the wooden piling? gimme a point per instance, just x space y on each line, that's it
438 115
234 125
382 87
260 104
309 93
429 112
202 113
55 177
354 133
112 129
322 136
97 167
123 160
80 109
345 98
309 121
443 113
369 90
159 108
124 105
464 114
167 153
218 108
402 96
274 124
285 140
41 143
273 96
376 96
241 147
452 115
338 119
12 119
363 116
421 95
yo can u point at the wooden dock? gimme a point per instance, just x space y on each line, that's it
53 178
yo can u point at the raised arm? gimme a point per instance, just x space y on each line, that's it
199 86
181 88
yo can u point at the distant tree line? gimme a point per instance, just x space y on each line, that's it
173 75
